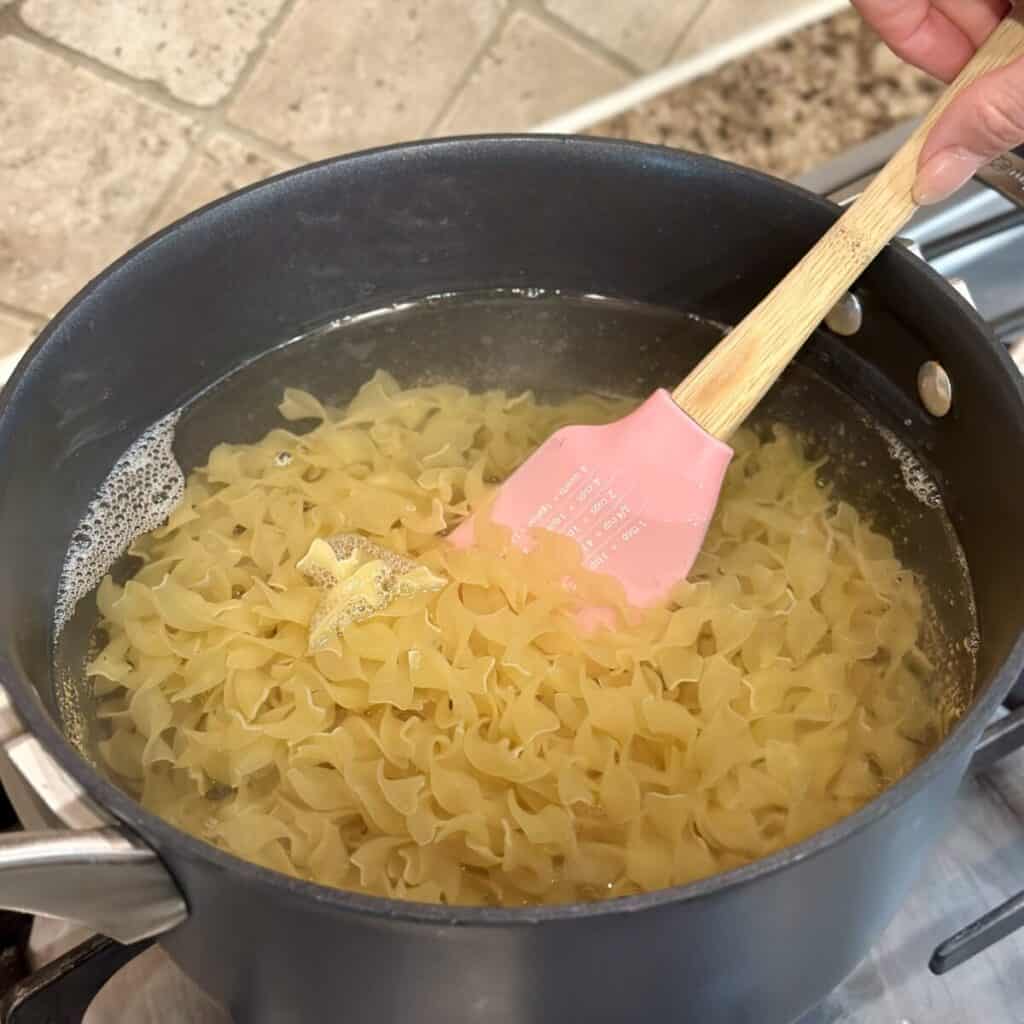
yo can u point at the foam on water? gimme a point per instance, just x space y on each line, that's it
948 634
915 476
141 491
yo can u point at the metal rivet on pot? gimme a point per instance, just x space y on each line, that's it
935 388
846 315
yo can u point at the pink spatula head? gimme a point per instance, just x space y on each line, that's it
637 495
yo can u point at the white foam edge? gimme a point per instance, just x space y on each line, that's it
88 560
137 496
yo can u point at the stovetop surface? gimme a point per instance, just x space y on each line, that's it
979 864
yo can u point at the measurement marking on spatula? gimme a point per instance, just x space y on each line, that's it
566 523
576 507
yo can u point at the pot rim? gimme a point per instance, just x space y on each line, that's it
162 836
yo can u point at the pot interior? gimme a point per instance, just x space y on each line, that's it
558 346
168 328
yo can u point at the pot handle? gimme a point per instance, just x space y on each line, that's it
75 863
100 878
998 740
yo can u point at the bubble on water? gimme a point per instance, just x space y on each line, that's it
915 476
137 496
69 703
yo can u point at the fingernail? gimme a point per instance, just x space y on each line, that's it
943 174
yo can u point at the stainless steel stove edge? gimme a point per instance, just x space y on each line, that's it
975 239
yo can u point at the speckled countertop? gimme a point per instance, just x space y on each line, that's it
789 107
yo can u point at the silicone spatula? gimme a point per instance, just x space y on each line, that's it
638 494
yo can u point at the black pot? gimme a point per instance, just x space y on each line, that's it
763 943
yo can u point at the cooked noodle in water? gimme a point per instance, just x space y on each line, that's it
305 674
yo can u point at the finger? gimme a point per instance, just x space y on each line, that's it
919 33
985 120
975 18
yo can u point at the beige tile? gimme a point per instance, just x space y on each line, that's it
223 165
16 332
723 20
643 31
380 71
532 73
196 48
82 164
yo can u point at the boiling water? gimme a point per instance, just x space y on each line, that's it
558 346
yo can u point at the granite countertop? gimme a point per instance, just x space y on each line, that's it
789 107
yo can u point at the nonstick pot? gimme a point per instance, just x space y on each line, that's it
763 943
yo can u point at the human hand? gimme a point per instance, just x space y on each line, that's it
987 119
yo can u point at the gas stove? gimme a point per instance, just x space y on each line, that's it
50 973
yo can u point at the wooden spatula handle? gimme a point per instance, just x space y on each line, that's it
729 382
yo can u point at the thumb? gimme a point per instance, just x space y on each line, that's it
984 121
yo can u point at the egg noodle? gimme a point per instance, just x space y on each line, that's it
305 674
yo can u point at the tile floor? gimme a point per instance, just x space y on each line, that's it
118 117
